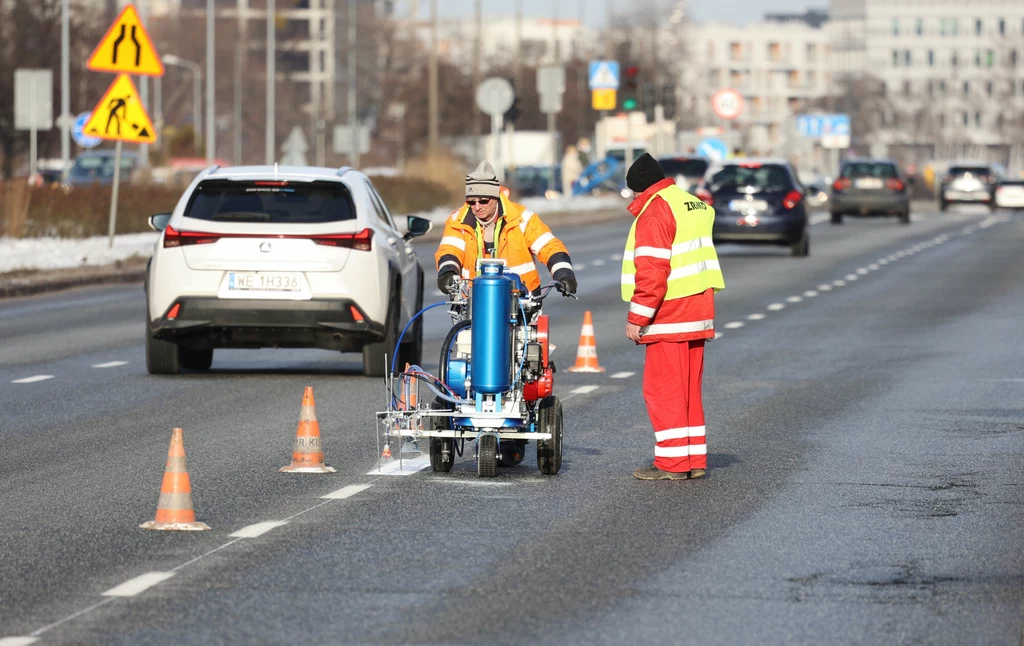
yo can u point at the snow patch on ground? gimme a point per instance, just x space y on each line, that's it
64 253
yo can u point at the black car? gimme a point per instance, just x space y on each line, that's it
687 171
757 202
968 184
870 187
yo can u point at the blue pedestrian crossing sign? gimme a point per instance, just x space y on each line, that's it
78 132
714 149
604 75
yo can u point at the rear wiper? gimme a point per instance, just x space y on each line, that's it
243 216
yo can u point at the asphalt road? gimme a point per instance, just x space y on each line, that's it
866 481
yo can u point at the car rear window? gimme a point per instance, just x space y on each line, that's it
870 169
973 170
764 176
272 202
684 167
1012 182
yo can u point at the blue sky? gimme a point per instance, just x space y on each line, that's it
594 12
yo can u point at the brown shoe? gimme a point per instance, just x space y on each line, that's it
654 473
697 473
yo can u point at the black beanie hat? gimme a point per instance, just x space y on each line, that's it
644 173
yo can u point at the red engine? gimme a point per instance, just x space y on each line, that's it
543 383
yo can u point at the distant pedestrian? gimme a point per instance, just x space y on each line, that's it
571 169
670 273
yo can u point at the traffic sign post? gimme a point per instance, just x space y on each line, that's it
294 148
33 109
551 87
495 96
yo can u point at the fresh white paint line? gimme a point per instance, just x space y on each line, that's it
851 277
839 283
863 271
584 390
402 467
138 585
794 299
810 293
719 335
873 267
32 380
776 307
18 641
756 317
734 325
598 263
259 529
623 375
824 288
111 364
346 492
471 483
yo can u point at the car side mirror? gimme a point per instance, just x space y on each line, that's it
417 227
159 221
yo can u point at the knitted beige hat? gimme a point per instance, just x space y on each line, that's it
483 182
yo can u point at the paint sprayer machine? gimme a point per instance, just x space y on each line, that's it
494 384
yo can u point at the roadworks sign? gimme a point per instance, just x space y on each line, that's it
120 115
127 48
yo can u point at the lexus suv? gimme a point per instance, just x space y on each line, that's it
757 202
870 187
968 184
293 257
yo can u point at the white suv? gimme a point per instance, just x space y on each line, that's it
294 257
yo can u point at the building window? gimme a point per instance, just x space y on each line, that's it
977 57
967 88
954 60
895 26
988 89
990 58
949 27
812 53
711 52
919 26
906 88
931 58
977 119
966 119
942 88
942 120
1013 58
906 57
1002 26
895 58
735 51
978 27
812 79
931 88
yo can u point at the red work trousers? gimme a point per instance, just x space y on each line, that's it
672 390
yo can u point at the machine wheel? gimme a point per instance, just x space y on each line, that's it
487 456
196 359
837 218
374 354
162 357
512 452
549 420
442 454
801 247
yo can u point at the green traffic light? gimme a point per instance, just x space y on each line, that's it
629 104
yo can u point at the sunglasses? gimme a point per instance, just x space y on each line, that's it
484 201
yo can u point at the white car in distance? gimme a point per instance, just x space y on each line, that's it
289 257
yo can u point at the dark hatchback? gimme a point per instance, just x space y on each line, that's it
870 187
757 202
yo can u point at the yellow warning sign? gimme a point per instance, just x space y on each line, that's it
127 49
603 99
120 115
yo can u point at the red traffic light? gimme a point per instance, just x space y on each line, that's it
632 71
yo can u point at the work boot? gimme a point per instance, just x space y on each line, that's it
697 473
654 473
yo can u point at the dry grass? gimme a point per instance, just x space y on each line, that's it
14 202
439 168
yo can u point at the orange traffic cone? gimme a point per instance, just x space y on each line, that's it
174 510
586 355
308 453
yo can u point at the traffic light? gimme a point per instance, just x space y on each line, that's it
513 112
648 99
668 99
630 88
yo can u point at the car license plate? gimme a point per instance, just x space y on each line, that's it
868 182
264 281
743 206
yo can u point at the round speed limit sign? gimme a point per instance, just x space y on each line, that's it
727 103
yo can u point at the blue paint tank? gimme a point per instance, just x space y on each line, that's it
492 330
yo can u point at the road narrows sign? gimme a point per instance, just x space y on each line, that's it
120 115
127 48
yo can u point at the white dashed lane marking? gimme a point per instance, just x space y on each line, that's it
598 263
775 307
794 299
863 271
622 375
402 467
616 256
346 492
259 529
810 293
824 288
18 641
111 364
32 380
850 277
734 325
756 317
138 585
838 283
584 390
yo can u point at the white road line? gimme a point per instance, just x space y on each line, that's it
598 263
472 483
894 258
838 283
818 219
32 380
580 267
873 267
851 277
111 364
810 293
794 299
622 375
438 292
776 307
584 390
616 256
824 288
883 261
138 585
402 467
18 641
863 271
734 325
719 335
346 492
259 529
756 317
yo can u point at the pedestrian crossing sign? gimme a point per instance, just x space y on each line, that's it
604 75
120 115
127 48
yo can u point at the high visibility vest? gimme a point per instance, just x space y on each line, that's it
692 258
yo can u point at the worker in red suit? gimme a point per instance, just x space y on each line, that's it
670 274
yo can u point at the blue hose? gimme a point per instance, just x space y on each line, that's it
394 355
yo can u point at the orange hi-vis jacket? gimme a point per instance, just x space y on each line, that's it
520 235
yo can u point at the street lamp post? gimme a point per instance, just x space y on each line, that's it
197 90
211 133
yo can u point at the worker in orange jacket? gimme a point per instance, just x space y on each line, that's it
490 225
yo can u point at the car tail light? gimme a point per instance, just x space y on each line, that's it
895 184
704 195
173 314
175 238
750 165
842 184
362 241
356 315
792 199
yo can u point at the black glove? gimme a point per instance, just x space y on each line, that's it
448 282
568 284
